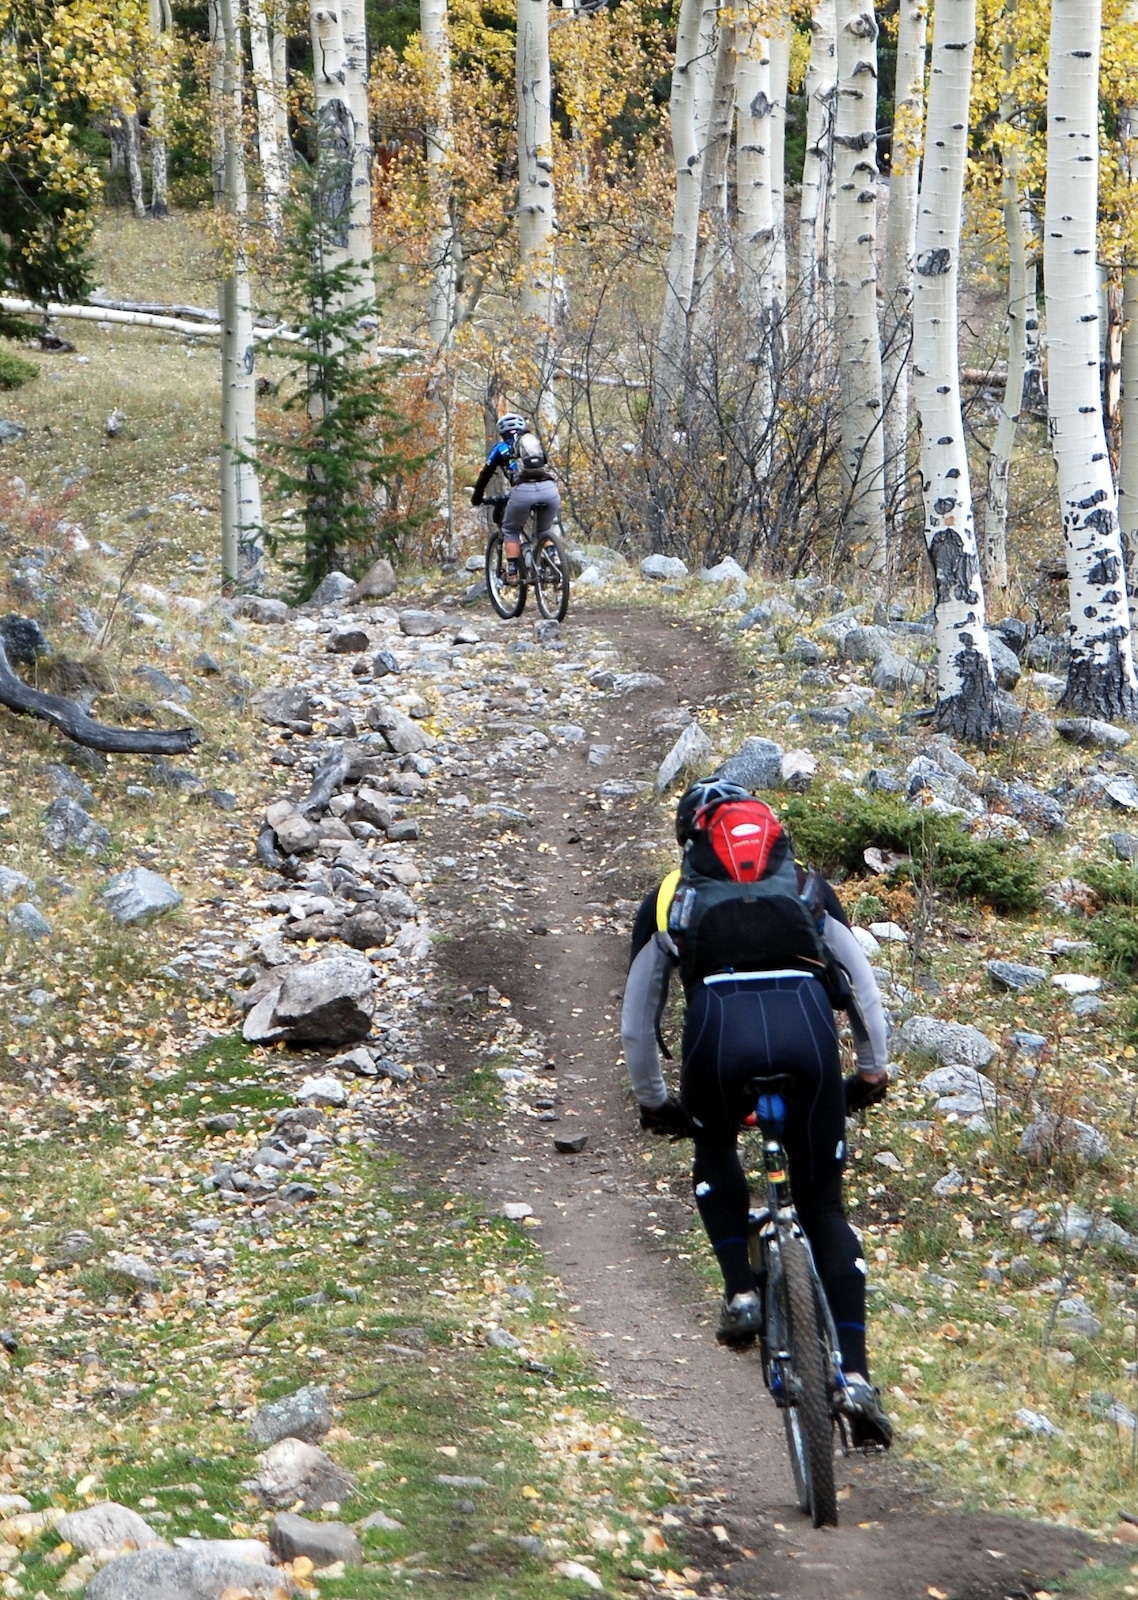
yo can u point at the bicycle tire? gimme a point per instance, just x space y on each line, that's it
807 1418
507 600
551 576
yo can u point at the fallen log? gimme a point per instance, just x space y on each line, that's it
327 778
77 725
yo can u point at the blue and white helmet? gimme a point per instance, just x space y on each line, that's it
511 425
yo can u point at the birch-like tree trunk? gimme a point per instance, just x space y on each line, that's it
703 69
820 89
855 288
336 131
361 240
278 51
755 220
157 83
536 199
671 342
967 702
242 530
900 237
713 245
274 167
131 135
441 250
1100 679
1128 449
1003 442
779 47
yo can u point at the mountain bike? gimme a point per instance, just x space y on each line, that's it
542 566
802 1366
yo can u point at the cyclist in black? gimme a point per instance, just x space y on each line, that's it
756 1004
520 456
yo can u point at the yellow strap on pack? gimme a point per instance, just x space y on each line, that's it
665 894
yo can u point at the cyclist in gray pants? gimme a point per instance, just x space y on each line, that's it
534 487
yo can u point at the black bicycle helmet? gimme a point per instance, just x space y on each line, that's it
699 799
511 425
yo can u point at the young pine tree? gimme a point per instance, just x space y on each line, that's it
348 454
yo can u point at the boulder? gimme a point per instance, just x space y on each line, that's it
1124 845
1014 977
347 641
324 1543
329 1001
252 1550
295 834
1005 662
1076 1318
757 764
756 617
138 895
28 921
24 640
68 827
1040 813
423 624
304 1414
285 708
726 571
186 1575
402 735
1012 632
1051 1137
255 608
953 1043
137 1272
384 664
893 674
865 643
291 1471
64 781
798 769
13 883
107 1526
331 590
804 652
663 568
960 1091
690 753
376 584
1091 734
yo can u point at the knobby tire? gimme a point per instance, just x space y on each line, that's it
507 600
551 576
809 1423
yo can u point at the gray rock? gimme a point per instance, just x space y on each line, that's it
347 641
1076 1318
1036 1422
662 567
804 652
1005 662
256 608
960 1091
1102 1404
11 431
251 1550
185 1575
64 781
68 827
324 1543
865 643
384 664
1032 1044
285 708
690 753
1040 813
799 769
13 883
138 895
1122 792
323 1090
76 1246
880 781
632 682
423 624
137 1272
163 684
28 921
377 582
107 1526
24 640
304 1414
951 1183
1021 1270
948 1042
331 590
380 1521
401 734
1124 845
362 1063
1051 1137
726 571
893 674
1047 655
292 1470
327 1001
295 834
1013 632
177 779
1091 734
757 764
756 617
1014 977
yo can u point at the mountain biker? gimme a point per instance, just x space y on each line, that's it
521 457
751 969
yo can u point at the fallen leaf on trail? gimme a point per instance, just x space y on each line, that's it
654 1543
530 1493
720 1533
937 1594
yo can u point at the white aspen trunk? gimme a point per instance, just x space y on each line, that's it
242 525
132 151
336 128
687 156
967 702
779 46
1003 442
820 89
755 223
274 169
442 260
703 69
900 238
536 197
1034 389
1100 679
855 285
361 242
713 246
1128 449
278 49
161 23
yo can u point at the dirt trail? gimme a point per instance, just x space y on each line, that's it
611 1238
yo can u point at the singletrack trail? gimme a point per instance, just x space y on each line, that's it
614 1238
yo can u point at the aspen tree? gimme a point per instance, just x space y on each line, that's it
274 166
442 257
754 163
242 532
967 702
157 88
713 243
335 130
900 236
361 246
859 344
688 82
1128 451
779 46
820 89
1100 678
535 187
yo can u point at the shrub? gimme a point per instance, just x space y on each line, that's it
15 370
832 828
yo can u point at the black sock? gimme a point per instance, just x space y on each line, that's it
735 1265
851 1342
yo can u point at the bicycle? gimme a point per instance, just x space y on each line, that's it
542 566
802 1366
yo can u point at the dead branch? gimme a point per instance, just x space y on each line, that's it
77 725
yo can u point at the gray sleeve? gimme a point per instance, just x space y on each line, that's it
644 994
872 1037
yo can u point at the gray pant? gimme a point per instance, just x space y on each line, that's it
524 497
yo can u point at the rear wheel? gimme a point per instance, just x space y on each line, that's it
551 576
508 599
806 1414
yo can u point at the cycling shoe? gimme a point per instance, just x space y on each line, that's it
870 1428
740 1319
